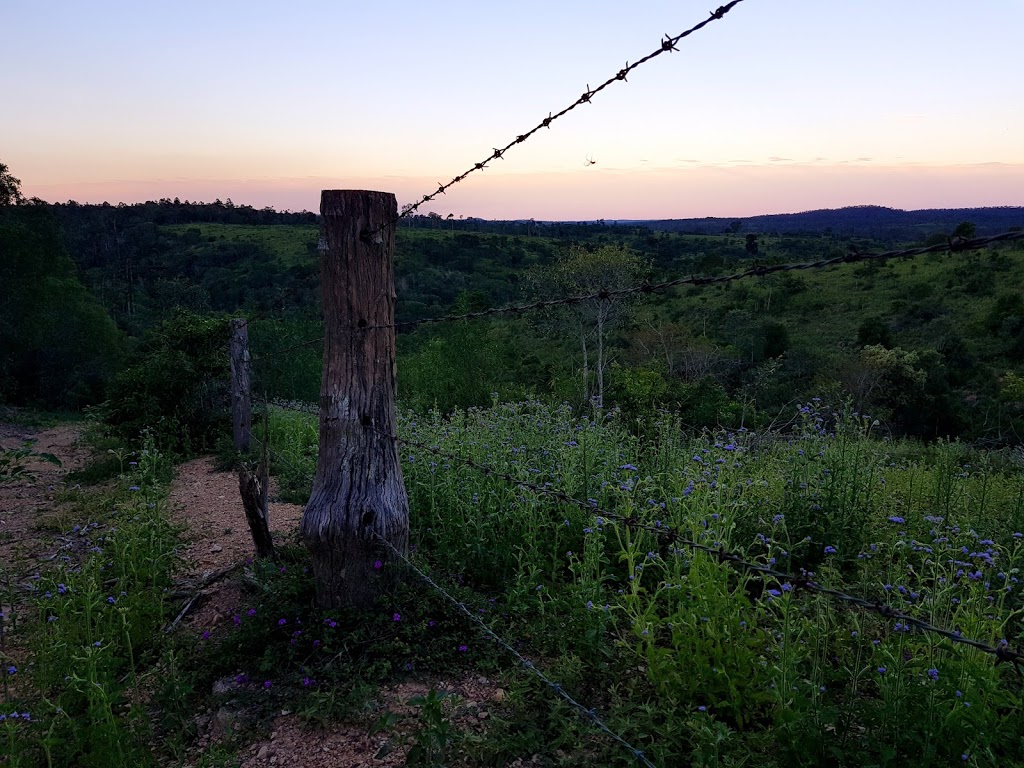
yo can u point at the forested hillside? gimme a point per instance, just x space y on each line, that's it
933 346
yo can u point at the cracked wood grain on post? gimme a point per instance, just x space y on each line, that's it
358 494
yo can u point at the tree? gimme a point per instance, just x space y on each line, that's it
10 187
965 229
175 383
751 244
57 345
881 378
874 331
582 272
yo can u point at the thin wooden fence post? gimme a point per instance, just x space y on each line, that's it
358 494
255 491
241 395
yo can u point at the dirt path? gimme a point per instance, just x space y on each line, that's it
29 512
206 503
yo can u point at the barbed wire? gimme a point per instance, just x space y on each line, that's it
588 714
669 535
668 44
1003 653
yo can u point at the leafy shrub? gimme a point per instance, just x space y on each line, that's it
176 385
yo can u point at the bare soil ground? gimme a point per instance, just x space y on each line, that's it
29 513
206 503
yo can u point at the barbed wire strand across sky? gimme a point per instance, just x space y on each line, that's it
668 44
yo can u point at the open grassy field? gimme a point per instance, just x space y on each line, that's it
703 663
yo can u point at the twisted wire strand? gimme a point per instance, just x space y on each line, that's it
667 45
952 246
1002 652
587 714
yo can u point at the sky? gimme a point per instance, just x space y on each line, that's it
781 106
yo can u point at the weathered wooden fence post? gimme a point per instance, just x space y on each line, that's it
255 490
241 396
358 493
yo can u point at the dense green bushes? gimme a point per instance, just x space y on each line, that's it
176 384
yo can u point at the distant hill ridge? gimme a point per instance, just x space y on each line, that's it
867 221
873 221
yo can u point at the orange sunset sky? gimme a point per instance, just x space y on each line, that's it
780 106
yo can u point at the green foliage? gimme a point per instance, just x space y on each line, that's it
57 345
144 261
432 740
776 338
874 331
176 385
582 271
10 187
966 229
692 660
1005 307
458 367
1011 388
705 403
639 391
14 463
288 365
434 734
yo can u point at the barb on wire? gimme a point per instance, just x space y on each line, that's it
587 714
953 246
1002 652
668 44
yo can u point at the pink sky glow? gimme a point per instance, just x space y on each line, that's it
728 190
